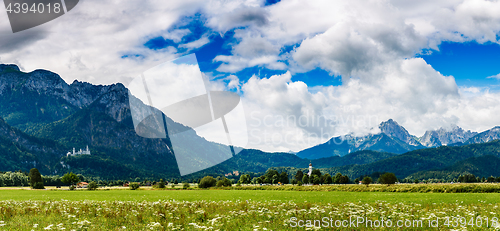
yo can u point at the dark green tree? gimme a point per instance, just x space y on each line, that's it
275 179
336 178
315 179
284 178
244 179
388 178
367 181
161 184
343 179
299 175
36 180
305 179
268 177
327 179
70 179
316 172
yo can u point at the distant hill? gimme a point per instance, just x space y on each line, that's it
483 166
250 160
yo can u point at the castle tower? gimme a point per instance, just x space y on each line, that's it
310 169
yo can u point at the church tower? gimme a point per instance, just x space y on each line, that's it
310 169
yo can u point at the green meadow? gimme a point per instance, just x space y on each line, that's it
254 195
262 209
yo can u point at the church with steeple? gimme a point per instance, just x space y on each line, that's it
310 169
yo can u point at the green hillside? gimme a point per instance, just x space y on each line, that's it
251 160
19 151
483 166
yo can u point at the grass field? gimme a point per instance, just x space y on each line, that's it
254 195
242 210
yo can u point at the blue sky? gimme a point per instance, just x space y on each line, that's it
470 63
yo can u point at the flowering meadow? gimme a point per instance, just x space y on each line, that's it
244 215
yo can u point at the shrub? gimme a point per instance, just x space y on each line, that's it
92 185
71 187
161 184
220 183
224 183
134 186
38 185
207 182
186 185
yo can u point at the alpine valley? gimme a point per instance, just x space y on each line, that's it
43 117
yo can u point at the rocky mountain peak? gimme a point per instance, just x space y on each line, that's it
445 136
393 129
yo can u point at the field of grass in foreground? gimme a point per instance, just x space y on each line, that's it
254 195
241 209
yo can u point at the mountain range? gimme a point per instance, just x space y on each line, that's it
42 118
395 138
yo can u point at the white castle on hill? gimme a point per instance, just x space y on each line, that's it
81 152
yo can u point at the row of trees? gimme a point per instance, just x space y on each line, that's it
317 178
465 178
33 179
471 178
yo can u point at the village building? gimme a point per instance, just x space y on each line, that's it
82 185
